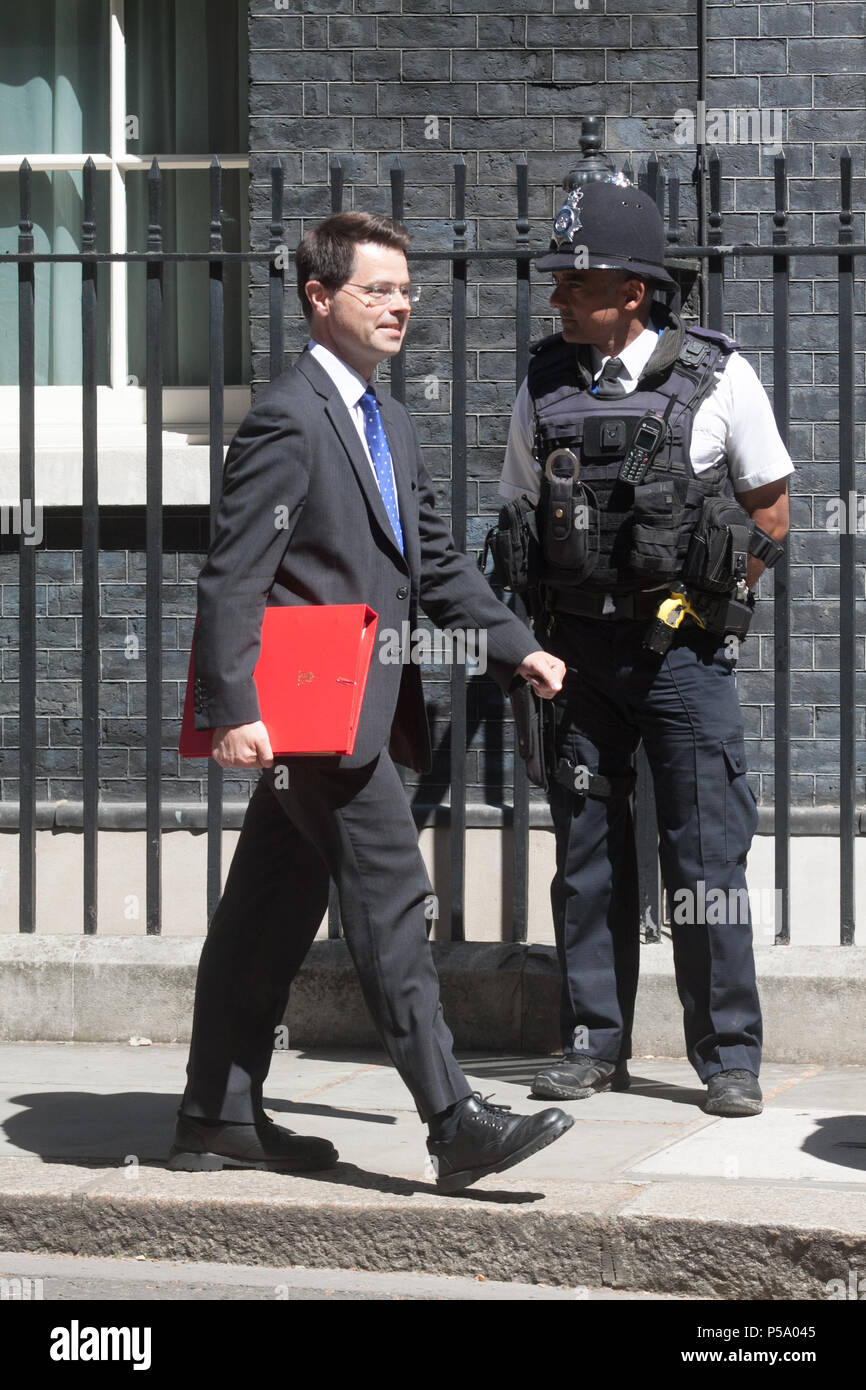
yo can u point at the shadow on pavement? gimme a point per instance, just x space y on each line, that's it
520 1071
668 1090
839 1139
348 1175
78 1127
285 1109
128 1124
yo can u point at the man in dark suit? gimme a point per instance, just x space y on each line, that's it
326 501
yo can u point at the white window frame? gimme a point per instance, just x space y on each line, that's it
122 402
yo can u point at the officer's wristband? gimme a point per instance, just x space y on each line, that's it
764 548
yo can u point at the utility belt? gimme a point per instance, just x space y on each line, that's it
535 719
668 609
609 607
723 614
711 580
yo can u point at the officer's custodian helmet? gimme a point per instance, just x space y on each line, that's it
608 225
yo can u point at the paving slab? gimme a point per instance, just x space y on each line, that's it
804 1146
645 1192
842 1088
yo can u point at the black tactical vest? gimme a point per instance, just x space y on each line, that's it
637 536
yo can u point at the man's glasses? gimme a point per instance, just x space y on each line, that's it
383 294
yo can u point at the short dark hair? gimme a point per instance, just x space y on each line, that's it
327 252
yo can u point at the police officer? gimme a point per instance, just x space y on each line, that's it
661 483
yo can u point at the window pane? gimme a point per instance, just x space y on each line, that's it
57 214
54 77
186 74
186 227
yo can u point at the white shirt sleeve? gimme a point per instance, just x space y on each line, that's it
520 473
736 421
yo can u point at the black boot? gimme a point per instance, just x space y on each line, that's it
488 1140
733 1093
578 1076
205 1148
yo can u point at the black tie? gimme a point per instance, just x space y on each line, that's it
610 383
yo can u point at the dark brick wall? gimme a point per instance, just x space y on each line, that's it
122 688
361 81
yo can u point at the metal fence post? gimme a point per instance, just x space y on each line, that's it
153 559
216 368
847 573
458 527
26 560
520 819
781 571
89 559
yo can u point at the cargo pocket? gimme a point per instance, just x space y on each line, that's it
741 812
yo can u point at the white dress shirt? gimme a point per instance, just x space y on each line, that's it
735 421
351 386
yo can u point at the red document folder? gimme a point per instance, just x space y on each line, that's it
310 677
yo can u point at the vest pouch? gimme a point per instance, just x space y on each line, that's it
570 543
659 509
718 551
513 547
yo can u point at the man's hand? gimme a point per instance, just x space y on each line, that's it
544 672
242 745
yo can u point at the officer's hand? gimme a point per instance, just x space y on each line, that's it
242 745
544 672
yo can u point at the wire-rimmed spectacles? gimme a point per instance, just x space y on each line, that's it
383 294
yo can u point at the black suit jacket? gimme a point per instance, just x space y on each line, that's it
301 521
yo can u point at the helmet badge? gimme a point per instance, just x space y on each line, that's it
567 220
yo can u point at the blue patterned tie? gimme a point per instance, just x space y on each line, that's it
381 455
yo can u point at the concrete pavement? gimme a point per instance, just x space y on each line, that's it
645 1192
79 1277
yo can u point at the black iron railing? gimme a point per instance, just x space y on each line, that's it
709 263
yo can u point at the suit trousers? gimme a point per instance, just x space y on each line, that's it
685 709
355 825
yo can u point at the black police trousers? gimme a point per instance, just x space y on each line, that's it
685 709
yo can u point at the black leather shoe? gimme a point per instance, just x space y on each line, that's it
578 1076
489 1140
199 1148
733 1093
